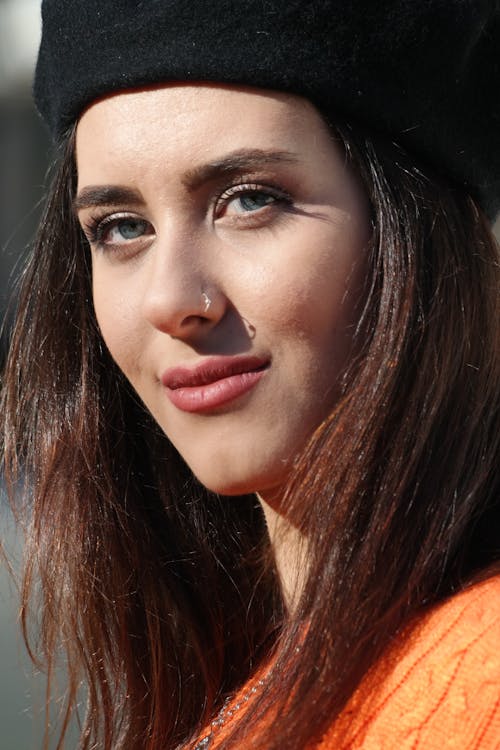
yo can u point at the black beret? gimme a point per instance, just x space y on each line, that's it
424 72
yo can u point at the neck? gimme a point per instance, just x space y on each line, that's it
289 547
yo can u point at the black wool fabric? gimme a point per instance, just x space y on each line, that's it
424 72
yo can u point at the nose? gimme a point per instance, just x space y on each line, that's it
179 296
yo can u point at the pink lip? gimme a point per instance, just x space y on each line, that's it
212 383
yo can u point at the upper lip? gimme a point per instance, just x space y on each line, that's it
211 370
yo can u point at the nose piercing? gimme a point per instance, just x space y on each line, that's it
207 301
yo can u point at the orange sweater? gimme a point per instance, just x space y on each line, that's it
439 691
442 692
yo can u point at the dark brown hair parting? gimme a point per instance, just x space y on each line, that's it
161 596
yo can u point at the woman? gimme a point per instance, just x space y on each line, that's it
253 382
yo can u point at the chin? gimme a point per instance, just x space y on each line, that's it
239 484
230 488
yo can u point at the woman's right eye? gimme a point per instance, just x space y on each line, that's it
127 229
116 231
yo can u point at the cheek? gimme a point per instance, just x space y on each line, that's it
317 290
118 323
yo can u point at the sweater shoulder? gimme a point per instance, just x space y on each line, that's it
438 688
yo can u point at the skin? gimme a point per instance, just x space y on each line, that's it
277 242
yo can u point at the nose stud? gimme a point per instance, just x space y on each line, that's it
207 302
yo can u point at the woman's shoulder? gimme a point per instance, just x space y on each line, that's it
439 687
466 623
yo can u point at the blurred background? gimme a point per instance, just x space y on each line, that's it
24 157
24 143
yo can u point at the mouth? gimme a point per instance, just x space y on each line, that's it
214 382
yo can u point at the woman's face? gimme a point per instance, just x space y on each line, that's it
228 243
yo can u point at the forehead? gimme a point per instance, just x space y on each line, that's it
194 121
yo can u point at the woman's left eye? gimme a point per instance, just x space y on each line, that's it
252 202
245 200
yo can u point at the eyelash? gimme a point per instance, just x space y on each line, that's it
97 225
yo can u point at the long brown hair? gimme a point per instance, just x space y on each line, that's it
163 596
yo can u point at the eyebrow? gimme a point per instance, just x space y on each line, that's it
234 162
106 195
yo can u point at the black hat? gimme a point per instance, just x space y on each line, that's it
424 72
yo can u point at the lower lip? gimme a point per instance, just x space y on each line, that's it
202 398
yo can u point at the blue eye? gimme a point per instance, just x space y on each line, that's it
246 199
254 201
116 230
124 229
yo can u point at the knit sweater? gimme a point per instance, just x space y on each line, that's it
442 692
437 689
